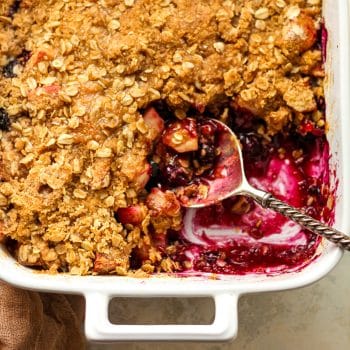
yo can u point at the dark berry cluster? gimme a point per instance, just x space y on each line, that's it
207 131
255 150
8 70
14 7
4 120
187 150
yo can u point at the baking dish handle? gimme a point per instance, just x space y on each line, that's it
99 328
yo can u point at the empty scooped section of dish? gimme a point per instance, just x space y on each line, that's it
236 235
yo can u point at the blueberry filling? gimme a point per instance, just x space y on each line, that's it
4 120
186 151
256 150
8 70
14 8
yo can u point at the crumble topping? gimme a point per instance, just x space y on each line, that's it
75 80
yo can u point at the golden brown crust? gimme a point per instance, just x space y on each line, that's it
77 147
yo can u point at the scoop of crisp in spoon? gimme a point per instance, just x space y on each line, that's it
228 179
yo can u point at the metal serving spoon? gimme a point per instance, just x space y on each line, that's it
229 180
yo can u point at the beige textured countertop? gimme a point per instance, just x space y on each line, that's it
314 317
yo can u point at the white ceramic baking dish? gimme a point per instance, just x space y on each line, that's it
99 290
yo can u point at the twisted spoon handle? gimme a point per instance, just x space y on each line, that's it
270 202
